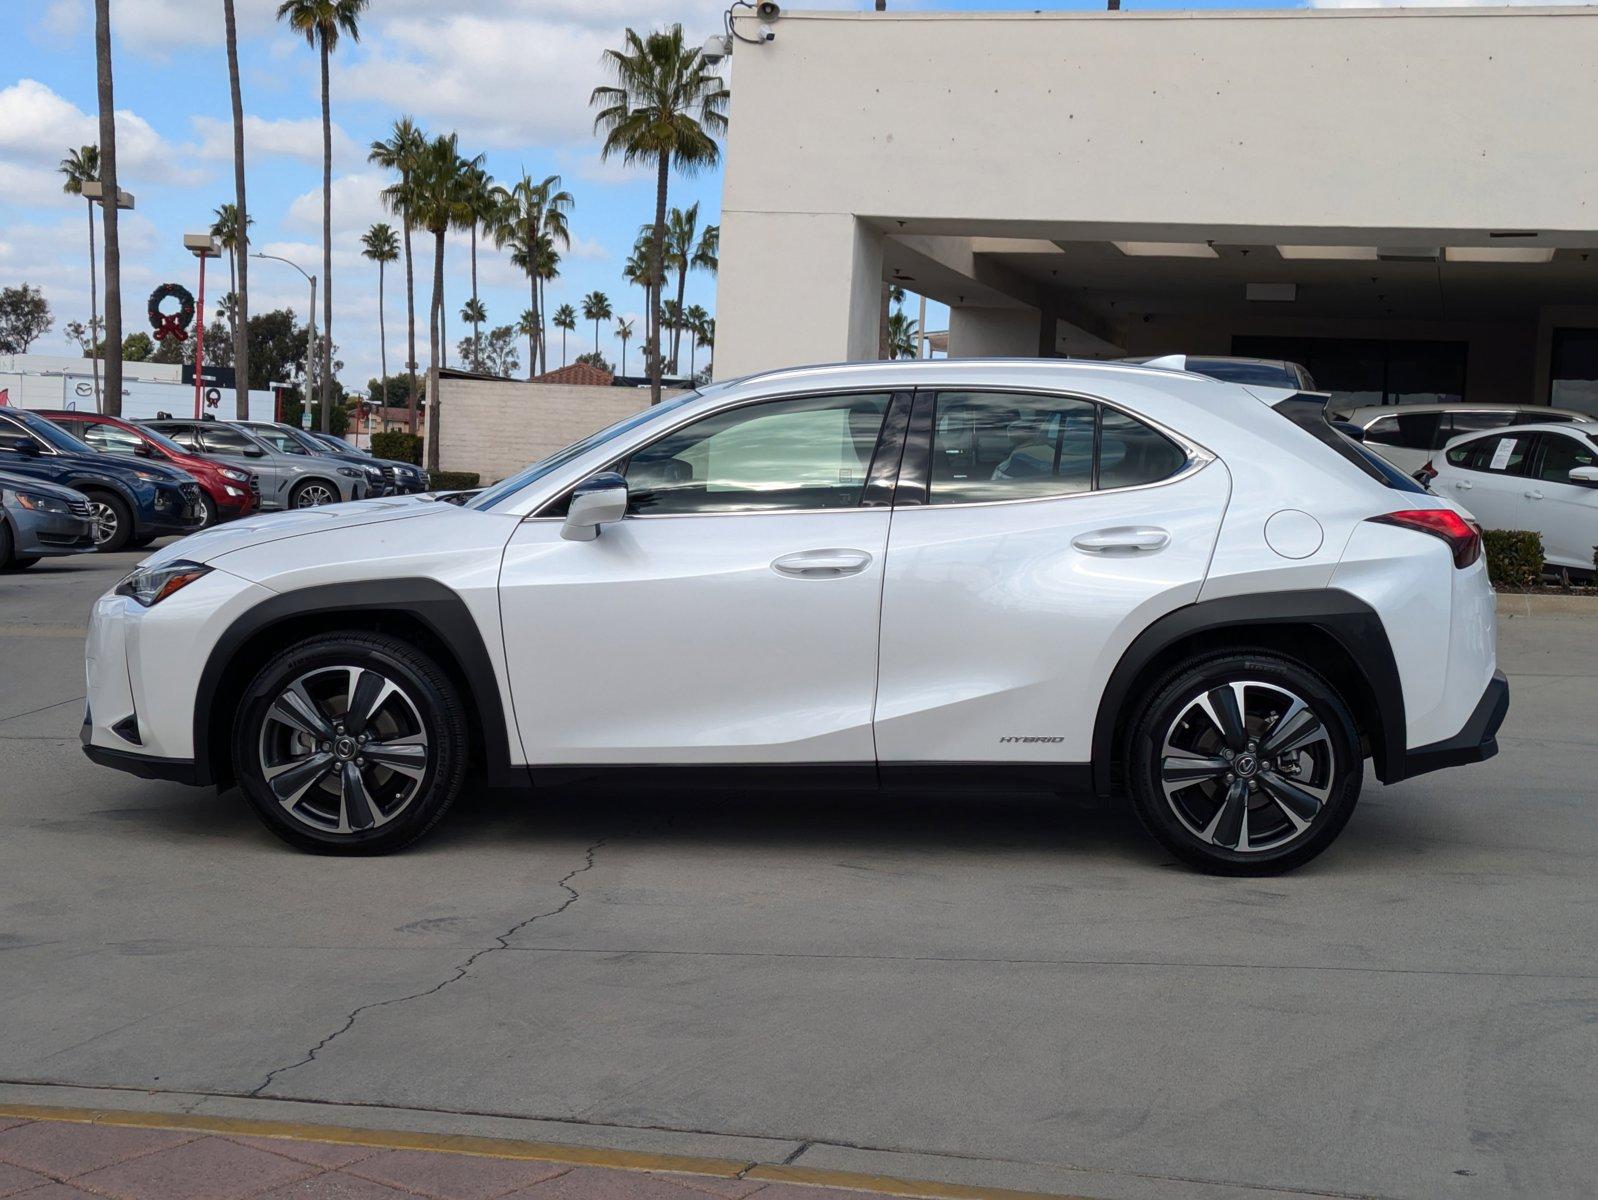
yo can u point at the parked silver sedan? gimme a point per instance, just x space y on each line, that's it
40 520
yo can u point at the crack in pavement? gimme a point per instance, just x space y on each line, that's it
501 942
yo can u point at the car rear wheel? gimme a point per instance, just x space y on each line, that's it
207 511
1245 763
350 743
313 493
113 522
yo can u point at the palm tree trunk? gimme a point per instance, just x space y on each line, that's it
327 248
693 347
382 340
596 335
434 332
108 177
443 327
94 309
532 334
233 290
241 249
657 248
563 347
410 313
476 326
538 319
676 333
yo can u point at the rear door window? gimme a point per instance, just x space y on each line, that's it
111 439
1463 420
220 439
1502 455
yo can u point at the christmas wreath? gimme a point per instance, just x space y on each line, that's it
171 325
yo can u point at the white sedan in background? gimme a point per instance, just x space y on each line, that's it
1538 477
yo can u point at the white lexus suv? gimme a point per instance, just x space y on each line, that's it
960 573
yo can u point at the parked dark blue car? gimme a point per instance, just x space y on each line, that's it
132 503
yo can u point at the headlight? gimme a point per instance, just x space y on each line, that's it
350 471
38 503
236 476
151 476
373 472
151 585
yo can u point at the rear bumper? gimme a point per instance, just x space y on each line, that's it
1476 742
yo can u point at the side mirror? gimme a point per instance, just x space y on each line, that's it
597 500
19 443
1584 475
254 452
142 450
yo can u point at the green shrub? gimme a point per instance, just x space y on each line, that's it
1514 557
398 445
451 481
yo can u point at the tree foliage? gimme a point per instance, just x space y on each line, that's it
24 318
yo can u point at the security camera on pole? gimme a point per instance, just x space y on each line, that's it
202 246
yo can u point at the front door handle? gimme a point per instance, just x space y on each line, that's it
1128 539
822 564
1464 485
1532 495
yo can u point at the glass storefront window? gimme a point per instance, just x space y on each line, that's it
1573 378
1365 371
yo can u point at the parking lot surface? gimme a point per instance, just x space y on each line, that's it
1010 993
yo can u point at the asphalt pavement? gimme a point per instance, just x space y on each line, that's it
990 990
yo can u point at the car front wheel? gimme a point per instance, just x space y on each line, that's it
351 743
313 494
113 522
1245 764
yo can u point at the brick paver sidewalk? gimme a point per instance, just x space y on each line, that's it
80 1160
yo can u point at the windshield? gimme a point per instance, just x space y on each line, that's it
52 435
491 496
340 445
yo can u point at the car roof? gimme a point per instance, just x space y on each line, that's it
1393 410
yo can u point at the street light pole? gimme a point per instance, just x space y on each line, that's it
94 193
310 326
202 246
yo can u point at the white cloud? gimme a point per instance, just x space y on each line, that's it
64 18
31 186
288 137
38 126
357 203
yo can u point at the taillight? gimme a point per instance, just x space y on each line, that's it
1463 537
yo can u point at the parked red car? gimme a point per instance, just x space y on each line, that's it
226 492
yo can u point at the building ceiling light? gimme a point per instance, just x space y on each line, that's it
1416 254
1499 254
1166 249
1341 253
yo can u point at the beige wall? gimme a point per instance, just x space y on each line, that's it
497 427
1380 126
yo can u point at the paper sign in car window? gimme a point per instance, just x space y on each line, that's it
1506 447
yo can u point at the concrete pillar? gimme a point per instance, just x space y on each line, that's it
796 289
996 332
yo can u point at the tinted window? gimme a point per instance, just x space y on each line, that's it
1561 455
220 439
112 440
1463 420
52 435
1411 431
1265 374
1497 455
1544 418
1003 446
813 452
279 439
183 435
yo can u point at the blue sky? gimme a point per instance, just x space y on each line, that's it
512 77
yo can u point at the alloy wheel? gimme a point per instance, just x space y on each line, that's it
314 495
106 521
343 749
1247 766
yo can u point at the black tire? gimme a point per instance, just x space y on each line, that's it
7 544
389 809
113 521
209 507
1234 808
22 564
297 495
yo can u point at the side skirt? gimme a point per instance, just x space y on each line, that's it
919 777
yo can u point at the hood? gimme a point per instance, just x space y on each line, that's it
210 544
22 483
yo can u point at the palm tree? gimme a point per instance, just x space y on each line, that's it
665 106
694 318
707 255
398 153
482 199
528 328
682 232
241 283
671 322
380 244
473 312
532 221
227 230
596 308
82 166
624 331
707 335
565 320
323 22
901 335
108 178
636 270
439 201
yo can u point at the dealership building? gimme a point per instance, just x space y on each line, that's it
1404 200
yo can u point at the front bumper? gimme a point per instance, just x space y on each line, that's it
173 510
1476 742
44 534
145 766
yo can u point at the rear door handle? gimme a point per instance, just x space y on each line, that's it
1128 539
1464 485
822 564
1532 495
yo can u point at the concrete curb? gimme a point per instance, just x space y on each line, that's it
1540 604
